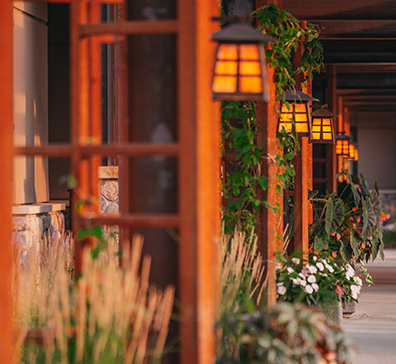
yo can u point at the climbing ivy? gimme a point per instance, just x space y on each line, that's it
243 177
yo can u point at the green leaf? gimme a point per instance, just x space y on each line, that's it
355 245
375 199
356 195
369 218
334 214
320 243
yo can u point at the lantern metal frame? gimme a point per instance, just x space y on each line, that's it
342 145
240 35
320 128
295 98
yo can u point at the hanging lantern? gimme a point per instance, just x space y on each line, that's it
322 126
356 158
295 115
342 145
239 70
352 151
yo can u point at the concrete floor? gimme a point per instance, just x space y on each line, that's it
372 329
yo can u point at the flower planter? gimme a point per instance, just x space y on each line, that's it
333 311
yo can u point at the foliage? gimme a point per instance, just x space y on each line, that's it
286 334
315 280
348 223
111 315
289 33
243 177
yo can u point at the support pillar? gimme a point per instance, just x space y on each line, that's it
6 138
331 157
303 178
269 225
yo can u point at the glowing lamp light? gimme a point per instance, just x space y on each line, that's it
295 115
239 70
352 152
322 126
342 145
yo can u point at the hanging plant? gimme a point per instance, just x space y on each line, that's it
239 127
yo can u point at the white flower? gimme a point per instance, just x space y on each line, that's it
314 258
329 268
301 275
308 289
358 281
320 266
349 272
278 266
296 281
323 274
355 291
296 260
303 282
315 287
281 290
312 268
290 269
311 279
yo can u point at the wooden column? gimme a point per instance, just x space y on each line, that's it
331 157
199 191
6 137
303 177
269 225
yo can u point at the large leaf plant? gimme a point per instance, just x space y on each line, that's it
347 223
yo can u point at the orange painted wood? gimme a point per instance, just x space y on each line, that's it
303 169
269 225
131 149
199 197
6 137
70 1
331 157
138 221
129 28
95 101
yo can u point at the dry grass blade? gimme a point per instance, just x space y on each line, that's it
111 314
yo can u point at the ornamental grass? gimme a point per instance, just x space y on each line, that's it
108 315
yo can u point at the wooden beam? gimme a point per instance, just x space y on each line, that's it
359 29
366 68
6 138
341 9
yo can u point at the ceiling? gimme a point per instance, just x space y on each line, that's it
359 39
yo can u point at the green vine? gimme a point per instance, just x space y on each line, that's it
243 177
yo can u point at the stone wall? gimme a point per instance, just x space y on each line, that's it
33 229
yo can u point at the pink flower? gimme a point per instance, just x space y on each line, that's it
338 236
339 291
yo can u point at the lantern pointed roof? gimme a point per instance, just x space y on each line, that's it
240 33
296 95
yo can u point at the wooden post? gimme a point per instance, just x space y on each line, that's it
199 197
6 137
303 177
269 225
331 157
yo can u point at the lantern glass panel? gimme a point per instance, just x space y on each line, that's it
250 68
225 84
249 52
227 52
250 84
226 68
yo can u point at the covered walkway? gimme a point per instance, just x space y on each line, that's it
372 329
